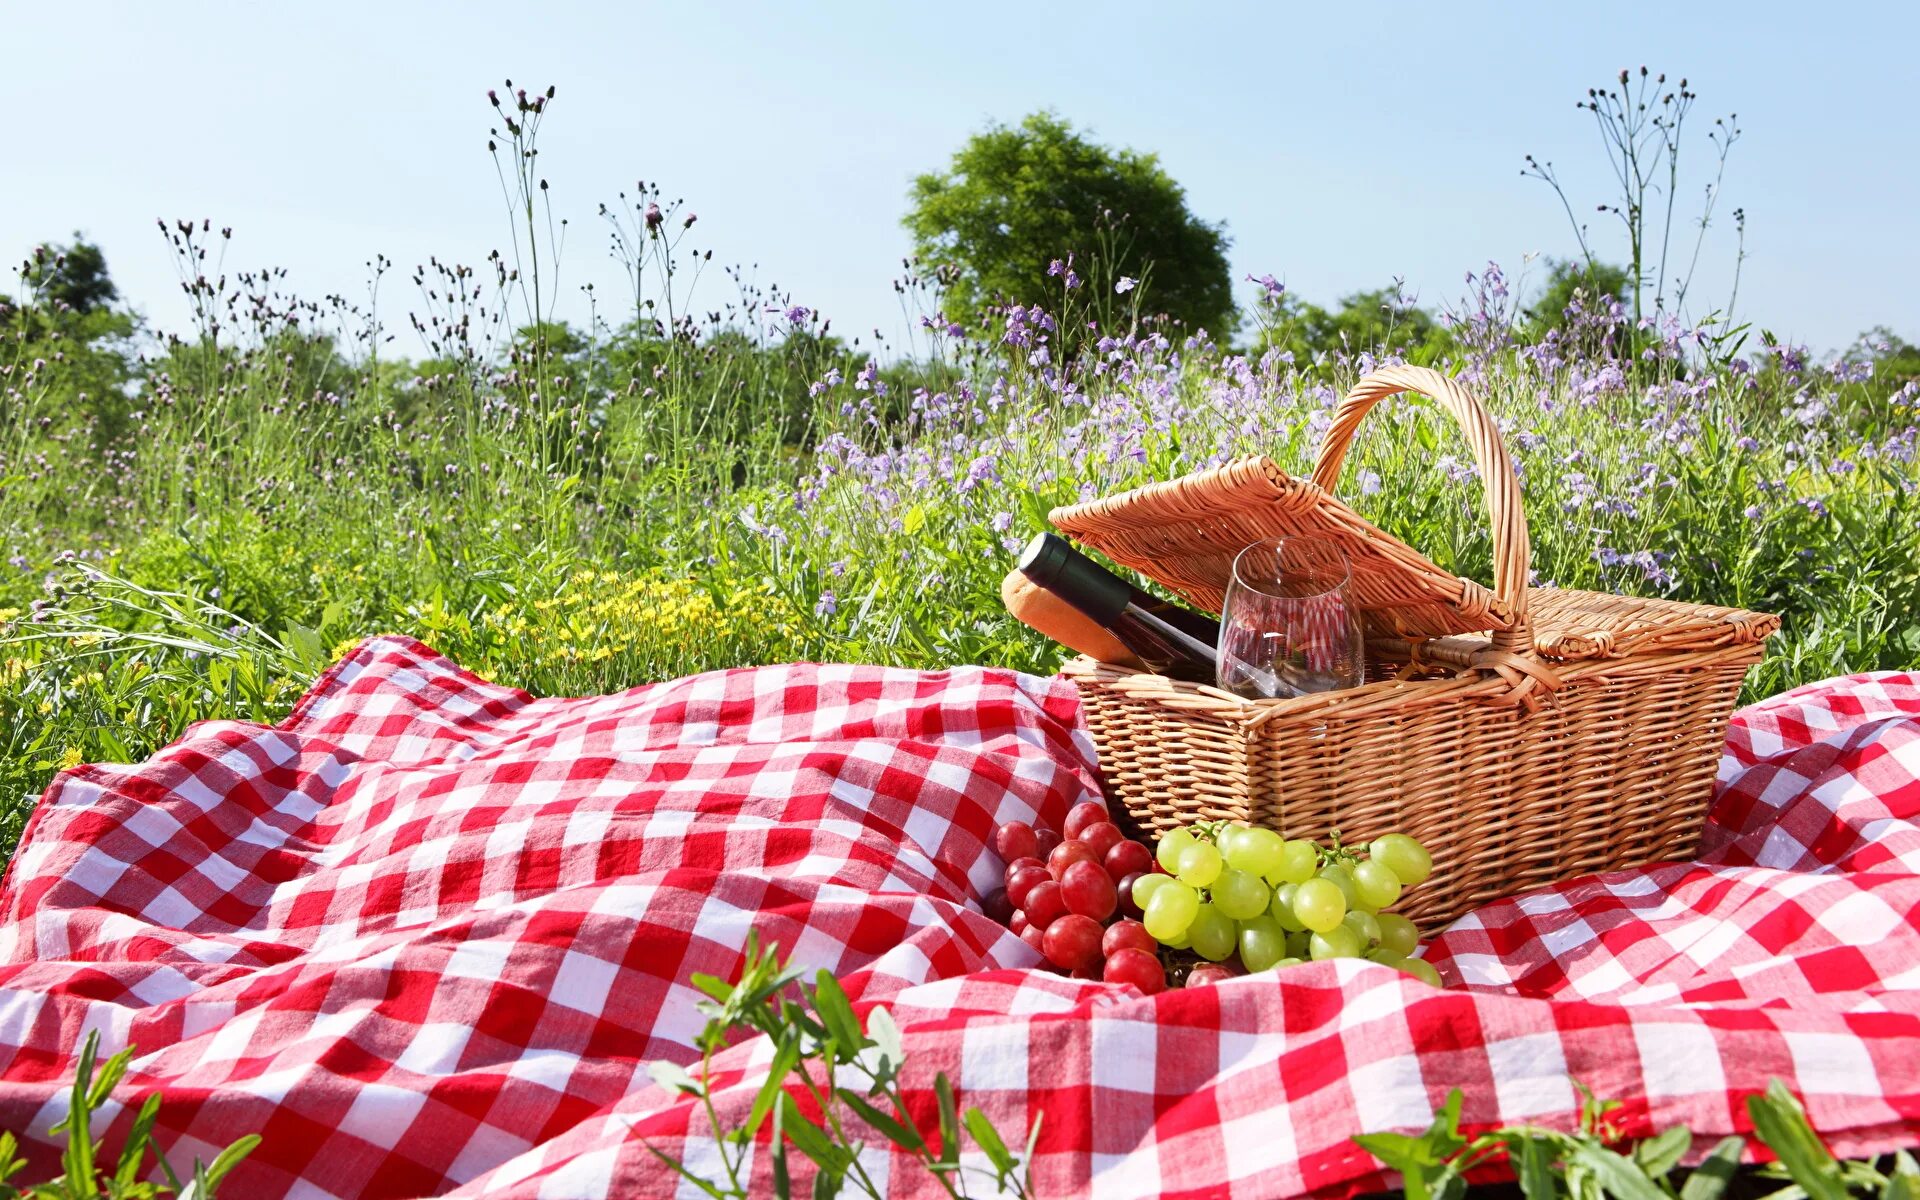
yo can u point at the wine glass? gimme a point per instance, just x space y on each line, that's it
1289 626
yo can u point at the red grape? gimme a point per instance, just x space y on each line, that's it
1028 861
1083 815
1088 972
1208 974
1047 839
1088 891
1073 942
1128 905
1102 836
1128 858
1014 840
1122 934
1044 904
1021 883
1036 937
1066 854
1137 967
997 906
1018 922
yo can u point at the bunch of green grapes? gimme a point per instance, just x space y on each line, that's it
1234 889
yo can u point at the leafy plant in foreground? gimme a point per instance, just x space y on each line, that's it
1592 1162
815 1035
83 1177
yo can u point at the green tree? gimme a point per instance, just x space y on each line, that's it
1597 282
65 314
71 278
1381 321
1017 198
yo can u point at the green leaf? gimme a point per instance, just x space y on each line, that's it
1662 1152
902 1135
886 1035
1533 1167
785 1058
1620 1176
949 1119
810 1139
1903 1184
675 1078
830 1001
1710 1179
913 520
1782 1127
987 1138
777 1150
228 1159
134 1153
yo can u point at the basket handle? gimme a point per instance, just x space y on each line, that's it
1511 552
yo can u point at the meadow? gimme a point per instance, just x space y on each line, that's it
689 482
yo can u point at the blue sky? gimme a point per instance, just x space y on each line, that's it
1342 149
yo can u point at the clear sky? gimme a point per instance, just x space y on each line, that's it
1343 144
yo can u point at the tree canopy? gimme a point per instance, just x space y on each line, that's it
1017 198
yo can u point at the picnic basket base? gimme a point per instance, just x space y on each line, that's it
1575 732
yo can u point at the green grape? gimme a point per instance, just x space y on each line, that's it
1262 943
1386 957
1319 905
1422 970
1398 934
1241 895
1257 852
1339 876
1228 840
1378 886
1364 925
1145 886
1298 861
1213 932
1169 849
1199 865
1403 856
1338 942
1291 960
1170 910
1282 908
1179 942
1298 944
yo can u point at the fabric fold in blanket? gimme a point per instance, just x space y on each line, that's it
425 935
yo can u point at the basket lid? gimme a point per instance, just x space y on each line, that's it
1184 534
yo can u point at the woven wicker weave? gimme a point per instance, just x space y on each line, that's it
1525 735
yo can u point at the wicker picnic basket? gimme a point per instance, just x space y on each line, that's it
1525 735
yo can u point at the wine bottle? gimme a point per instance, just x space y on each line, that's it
1166 637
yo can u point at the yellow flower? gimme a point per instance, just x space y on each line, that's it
70 758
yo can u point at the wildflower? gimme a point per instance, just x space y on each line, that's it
826 606
1369 483
1002 522
654 217
1814 505
1125 284
1754 512
1055 267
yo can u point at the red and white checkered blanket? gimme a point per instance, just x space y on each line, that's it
425 935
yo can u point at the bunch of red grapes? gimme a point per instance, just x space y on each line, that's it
1071 898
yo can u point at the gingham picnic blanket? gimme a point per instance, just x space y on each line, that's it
426 934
